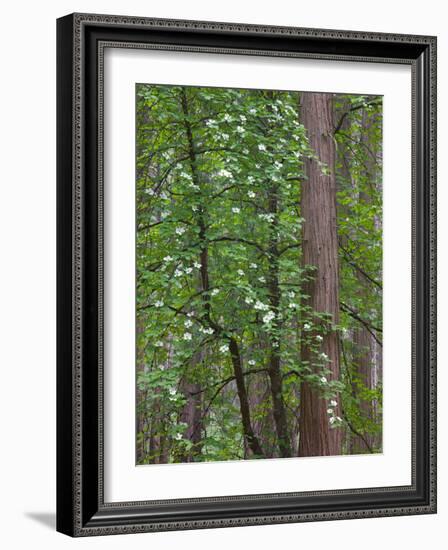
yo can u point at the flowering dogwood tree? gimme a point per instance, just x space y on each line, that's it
226 334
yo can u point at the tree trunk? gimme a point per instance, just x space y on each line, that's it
192 411
259 391
249 435
274 372
365 353
320 249
362 360
142 420
192 416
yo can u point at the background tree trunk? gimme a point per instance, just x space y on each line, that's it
248 432
365 353
274 372
192 411
320 249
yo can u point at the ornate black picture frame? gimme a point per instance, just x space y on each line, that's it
81 509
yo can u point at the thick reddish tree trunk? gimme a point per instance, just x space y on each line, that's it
320 249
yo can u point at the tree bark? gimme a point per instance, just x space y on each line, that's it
192 411
362 360
192 416
365 355
320 249
249 435
274 372
248 432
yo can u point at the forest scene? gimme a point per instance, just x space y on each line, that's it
258 274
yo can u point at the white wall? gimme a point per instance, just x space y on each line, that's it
27 272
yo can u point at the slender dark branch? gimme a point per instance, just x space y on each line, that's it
349 259
356 432
284 249
350 310
179 310
355 108
224 382
222 386
361 143
369 327
238 240
292 373
149 226
222 191
215 395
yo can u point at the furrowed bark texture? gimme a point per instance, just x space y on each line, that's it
320 249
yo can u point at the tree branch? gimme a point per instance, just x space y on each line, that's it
349 259
369 327
238 240
359 434
355 108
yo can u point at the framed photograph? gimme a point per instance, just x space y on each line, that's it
246 274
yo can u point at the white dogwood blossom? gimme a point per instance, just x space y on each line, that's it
260 306
268 317
225 173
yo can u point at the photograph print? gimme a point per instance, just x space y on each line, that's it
258 274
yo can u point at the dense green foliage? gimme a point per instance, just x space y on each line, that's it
219 271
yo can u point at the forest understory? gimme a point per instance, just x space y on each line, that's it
259 274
